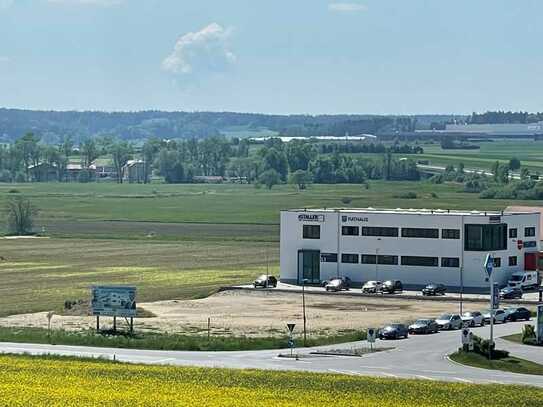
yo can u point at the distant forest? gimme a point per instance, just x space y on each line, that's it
501 117
53 126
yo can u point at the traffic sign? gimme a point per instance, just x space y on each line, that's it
496 296
291 327
489 264
372 333
290 343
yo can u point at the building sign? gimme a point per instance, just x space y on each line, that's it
306 217
113 301
530 244
328 257
494 219
346 218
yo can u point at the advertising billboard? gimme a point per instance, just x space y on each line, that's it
113 301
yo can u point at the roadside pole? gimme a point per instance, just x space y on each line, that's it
303 309
489 265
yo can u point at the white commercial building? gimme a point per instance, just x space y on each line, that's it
415 246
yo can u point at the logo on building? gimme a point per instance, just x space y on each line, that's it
310 218
354 219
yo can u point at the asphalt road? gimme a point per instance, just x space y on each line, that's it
418 357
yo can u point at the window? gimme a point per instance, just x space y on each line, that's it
350 230
512 233
485 237
420 232
379 231
328 257
529 232
312 232
512 260
368 259
382 259
349 258
450 233
450 262
497 262
386 259
419 261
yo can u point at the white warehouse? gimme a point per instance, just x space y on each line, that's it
416 246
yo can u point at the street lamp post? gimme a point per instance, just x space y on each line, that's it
377 260
303 309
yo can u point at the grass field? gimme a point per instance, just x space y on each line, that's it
169 341
28 381
76 206
508 364
40 274
528 151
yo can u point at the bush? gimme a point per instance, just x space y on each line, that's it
434 195
406 195
20 177
5 176
482 347
346 200
528 335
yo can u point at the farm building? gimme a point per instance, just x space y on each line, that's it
415 246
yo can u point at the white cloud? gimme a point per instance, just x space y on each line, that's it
201 51
346 7
4 60
99 3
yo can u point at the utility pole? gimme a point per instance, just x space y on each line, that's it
489 265
303 309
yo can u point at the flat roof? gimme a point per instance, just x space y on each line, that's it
417 211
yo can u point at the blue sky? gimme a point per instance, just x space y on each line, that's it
297 56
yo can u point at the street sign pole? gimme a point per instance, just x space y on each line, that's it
489 265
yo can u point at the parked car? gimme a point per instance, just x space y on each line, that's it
265 281
338 284
392 286
510 293
498 314
394 331
434 289
517 313
424 326
474 318
372 287
450 321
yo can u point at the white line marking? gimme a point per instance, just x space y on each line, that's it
425 377
462 380
390 375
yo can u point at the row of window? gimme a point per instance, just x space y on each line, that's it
424 261
479 237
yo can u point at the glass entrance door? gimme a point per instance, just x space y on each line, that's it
309 266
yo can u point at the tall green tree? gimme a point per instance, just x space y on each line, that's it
21 213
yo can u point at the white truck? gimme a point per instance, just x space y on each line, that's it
525 280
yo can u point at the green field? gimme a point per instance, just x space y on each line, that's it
29 381
528 151
41 274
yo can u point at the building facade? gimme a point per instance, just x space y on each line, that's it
415 246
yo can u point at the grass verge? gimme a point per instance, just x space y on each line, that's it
29 381
517 338
508 364
160 341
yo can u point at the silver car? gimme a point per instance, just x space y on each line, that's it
450 321
372 287
474 318
500 316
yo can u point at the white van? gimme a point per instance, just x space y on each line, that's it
524 280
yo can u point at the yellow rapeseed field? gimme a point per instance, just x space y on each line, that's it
29 381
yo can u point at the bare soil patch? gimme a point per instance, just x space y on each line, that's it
261 313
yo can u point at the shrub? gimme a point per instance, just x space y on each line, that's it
346 200
434 195
528 335
5 176
406 195
482 347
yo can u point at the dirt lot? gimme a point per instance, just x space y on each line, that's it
259 314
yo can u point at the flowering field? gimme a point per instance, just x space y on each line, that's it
28 381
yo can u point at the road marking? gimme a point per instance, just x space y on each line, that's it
425 377
462 380
390 375
163 360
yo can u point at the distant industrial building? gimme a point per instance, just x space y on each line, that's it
528 129
415 246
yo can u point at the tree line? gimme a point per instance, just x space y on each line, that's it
180 161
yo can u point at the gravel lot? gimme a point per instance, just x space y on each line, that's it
260 313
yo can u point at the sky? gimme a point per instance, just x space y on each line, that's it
280 56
